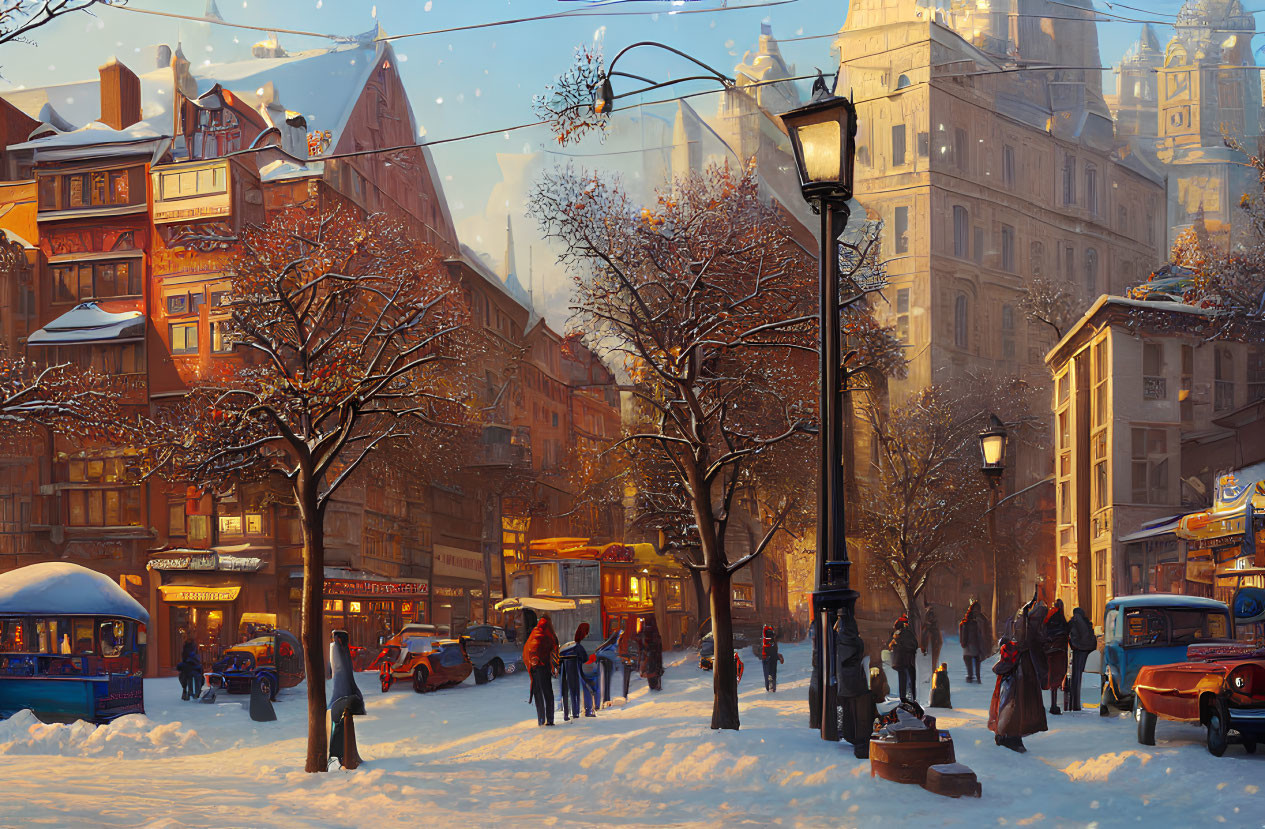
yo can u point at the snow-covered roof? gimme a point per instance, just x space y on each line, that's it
280 170
90 323
94 133
58 587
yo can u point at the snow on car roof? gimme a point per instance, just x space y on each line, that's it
58 587
1167 600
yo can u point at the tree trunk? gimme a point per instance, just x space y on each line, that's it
312 520
724 671
701 603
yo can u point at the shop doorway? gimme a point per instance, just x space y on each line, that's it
204 625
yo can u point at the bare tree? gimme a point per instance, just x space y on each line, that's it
708 300
1051 303
357 340
66 398
19 18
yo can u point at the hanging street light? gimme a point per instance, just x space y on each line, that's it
823 139
992 445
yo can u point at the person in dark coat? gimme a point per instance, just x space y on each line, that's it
571 659
190 671
650 647
1016 709
1056 652
930 637
904 648
346 702
769 658
1083 641
540 655
974 636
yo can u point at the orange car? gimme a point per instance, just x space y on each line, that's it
429 663
1220 686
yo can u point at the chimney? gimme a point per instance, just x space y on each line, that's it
120 95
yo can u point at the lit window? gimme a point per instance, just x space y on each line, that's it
184 338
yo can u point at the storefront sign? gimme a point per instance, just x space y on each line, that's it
206 562
457 563
195 593
357 587
449 592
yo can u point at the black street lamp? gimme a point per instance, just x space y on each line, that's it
992 445
823 138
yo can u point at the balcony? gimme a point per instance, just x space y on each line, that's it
501 454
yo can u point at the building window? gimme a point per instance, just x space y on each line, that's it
1008 332
183 184
184 302
961 231
1069 264
104 507
960 149
1091 274
979 245
902 314
1256 375
101 188
898 145
1036 258
1150 466
184 337
1223 392
221 341
1091 190
1069 180
1154 385
1150 228
82 281
175 518
901 229
1122 219
1007 248
1007 165
961 318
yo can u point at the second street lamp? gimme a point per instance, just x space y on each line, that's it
823 138
992 444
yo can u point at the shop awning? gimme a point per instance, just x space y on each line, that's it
532 603
1154 529
89 323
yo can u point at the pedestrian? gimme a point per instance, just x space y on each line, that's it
571 659
904 647
189 669
770 658
931 637
974 637
1083 641
346 704
540 654
650 647
1017 709
1056 652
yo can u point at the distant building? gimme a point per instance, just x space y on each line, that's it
1138 394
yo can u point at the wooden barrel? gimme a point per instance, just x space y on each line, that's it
907 762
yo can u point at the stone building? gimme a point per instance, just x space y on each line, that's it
1141 400
1178 107
989 170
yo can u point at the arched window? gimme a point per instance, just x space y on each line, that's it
1091 274
902 82
961 231
961 318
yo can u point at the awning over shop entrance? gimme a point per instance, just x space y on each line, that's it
181 593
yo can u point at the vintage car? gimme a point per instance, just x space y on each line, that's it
1154 629
1220 686
274 658
491 653
390 649
428 663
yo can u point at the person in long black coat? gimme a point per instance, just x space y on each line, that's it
770 658
904 648
190 671
976 641
651 654
1056 634
1084 642
1017 709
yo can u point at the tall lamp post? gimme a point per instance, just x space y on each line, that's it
992 444
823 138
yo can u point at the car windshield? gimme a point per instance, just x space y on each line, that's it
1168 627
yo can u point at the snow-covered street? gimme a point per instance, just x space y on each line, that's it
473 756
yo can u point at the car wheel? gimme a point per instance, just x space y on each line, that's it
1104 701
420 677
268 687
1218 728
1146 722
498 668
386 680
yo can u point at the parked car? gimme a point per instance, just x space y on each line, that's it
1154 629
1220 686
275 659
491 653
390 649
428 663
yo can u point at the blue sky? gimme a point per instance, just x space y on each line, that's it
467 82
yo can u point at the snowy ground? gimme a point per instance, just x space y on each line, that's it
473 756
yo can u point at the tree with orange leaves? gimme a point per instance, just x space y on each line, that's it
357 341
709 302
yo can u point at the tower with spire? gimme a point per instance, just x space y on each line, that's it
1137 86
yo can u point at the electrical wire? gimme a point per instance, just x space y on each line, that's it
570 13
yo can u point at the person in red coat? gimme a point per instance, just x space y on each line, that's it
1016 710
540 655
